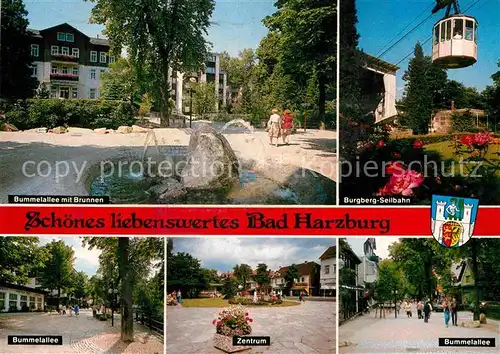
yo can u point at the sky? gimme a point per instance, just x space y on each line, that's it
237 24
85 260
380 21
382 244
224 253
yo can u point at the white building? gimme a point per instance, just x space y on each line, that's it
328 275
20 298
368 268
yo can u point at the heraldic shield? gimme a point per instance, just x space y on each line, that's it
453 219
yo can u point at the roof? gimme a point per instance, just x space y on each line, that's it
331 252
93 40
23 288
377 63
99 41
303 268
34 33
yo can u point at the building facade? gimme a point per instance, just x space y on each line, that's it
307 282
181 84
328 276
69 62
368 268
15 297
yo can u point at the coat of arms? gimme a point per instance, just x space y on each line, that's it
453 219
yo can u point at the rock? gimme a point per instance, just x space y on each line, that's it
110 131
322 126
38 130
138 129
482 318
169 189
475 324
7 127
80 131
211 163
59 130
124 129
100 130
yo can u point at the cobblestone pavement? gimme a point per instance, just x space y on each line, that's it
81 335
305 329
367 334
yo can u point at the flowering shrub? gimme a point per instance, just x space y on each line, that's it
65 57
64 76
233 321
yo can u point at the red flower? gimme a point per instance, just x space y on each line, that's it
380 144
396 155
417 144
395 167
250 320
481 139
467 140
402 183
388 128
219 323
438 180
246 313
214 322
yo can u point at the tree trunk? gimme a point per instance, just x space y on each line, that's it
58 297
127 319
321 97
165 97
476 278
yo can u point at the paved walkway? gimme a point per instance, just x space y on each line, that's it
305 329
80 149
404 335
81 335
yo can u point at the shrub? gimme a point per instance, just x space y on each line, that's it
233 321
50 113
462 122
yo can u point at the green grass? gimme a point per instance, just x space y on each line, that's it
219 302
447 151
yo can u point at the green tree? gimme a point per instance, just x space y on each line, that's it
185 273
80 285
262 276
162 36
204 99
389 282
291 274
230 288
120 82
20 256
15 63
57 271
242 272
42 91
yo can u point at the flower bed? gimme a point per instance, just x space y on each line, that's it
61 76
231 321
249 302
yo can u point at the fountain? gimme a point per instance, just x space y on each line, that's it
238 121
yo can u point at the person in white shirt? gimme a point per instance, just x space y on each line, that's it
274 126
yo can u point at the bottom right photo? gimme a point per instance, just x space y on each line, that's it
418 295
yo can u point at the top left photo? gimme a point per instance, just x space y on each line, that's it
189 102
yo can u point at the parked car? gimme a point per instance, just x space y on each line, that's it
437 307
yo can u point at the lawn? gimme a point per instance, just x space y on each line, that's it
219 303
448 151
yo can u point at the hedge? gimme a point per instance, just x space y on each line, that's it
431 138
82 113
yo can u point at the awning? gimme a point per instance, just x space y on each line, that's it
328 287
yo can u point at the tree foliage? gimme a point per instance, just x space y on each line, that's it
204 99
291 274
243 272
262 276
20 256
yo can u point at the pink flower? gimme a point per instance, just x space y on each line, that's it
250 320
214 322
481 139
246 313
438 180
388 128
380 144
395 167
402 183
417 144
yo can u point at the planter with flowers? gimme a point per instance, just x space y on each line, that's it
231 321
62 76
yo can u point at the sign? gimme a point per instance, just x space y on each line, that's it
453 219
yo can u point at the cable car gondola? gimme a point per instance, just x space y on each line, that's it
454 39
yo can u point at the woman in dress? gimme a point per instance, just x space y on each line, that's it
274 126
286 125
446 310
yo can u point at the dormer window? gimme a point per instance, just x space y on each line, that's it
61 36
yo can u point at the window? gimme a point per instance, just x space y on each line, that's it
103 71
24 301
92 74
75 70
54 50
103 57
469 30
70 37
53 69
34 70
93 56
32 300
92 93
448 30
39 304
2 301
327 269
458 29
475 33
75 52
111 59
64 69
61 36
74 92
65 50
13 301
53 93
210 70
436 35
302 279
34 50
64 92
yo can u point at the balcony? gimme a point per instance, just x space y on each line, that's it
61 78
64 58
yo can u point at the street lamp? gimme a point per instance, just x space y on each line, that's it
192 81
113 293
395 292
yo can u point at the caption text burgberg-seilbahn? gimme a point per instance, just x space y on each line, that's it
252 220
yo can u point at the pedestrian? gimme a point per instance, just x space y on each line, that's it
70 309
446 310
398 307
427 310
179 296
77 310
454 315
286 125
301 295
408 308
420 306
274 126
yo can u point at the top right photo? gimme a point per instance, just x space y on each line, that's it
419 101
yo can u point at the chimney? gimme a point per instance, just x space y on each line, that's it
452 106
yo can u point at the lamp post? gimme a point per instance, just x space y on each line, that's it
192 81
395 292
112 294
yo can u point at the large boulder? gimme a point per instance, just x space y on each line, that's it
167 191
124 129
211 163
7 127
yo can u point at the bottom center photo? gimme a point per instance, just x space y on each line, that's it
251 295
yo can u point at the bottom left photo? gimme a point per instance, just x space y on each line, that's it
82 294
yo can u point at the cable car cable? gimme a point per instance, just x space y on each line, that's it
474 3
404 29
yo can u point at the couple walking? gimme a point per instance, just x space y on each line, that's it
280 126
450 310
